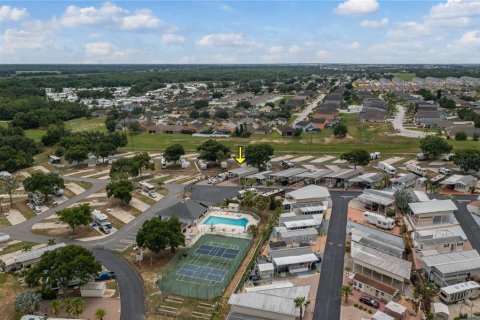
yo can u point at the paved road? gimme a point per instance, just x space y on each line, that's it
328 301
305 112
466 221
130 285
398 125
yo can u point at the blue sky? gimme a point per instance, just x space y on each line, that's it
349 31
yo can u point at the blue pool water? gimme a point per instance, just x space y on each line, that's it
220 220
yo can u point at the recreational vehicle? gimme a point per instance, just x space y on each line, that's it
101 220
379 220
412 167
202 164
184 163
445 171
388 168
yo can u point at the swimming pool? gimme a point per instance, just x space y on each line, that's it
221 220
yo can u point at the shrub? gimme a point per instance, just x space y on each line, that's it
356 305
460 136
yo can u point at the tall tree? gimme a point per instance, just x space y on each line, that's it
356 157
124 168
143 162
174 152
43 182
402 199
258 154
120 189
467 159
76 153
210 148
157 235
434 146
79 215
346 292
62 265
104 149
340 130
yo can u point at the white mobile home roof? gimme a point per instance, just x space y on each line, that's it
454 262
273 300
379 315
259 175
381 260
244 171
383 198
289 172
309 192
432 206
396 307
296 233
458 178
304 258
265 267
304 221
460 287
32 255
274 285
315 174
344 173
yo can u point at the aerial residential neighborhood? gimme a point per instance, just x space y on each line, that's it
240 160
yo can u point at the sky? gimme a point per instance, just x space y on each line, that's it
197 32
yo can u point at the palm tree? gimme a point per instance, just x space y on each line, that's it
68 305
427 184
55 306
384 182
346 292
78 306
100 313
301 303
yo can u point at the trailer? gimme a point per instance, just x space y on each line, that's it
25 259
184 163
145 186
414 168
379 220
388 168
202 164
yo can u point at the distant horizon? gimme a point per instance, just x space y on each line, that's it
241 64
438 32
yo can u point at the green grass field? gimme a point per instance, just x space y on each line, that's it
3 124
405 76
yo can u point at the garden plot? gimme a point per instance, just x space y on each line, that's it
393 160
302 159
120 214
75 188
285 157
15 217
138 204
41 168
323 159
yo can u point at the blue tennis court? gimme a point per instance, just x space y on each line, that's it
201 272
215 251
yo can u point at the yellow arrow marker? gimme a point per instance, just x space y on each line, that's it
240 159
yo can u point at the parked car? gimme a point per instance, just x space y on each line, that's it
105 275
152 194
370 302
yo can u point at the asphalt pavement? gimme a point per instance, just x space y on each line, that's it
328 300
466 221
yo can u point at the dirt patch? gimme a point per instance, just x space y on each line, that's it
9 289
80 232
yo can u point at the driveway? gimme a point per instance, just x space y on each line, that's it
398 125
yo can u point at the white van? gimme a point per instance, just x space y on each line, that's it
445 171
388 168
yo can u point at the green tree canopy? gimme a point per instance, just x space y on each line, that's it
157 235
258 154
402 199
79 215
61 266
209 149
120 189
174 152
434 146
143 162
76 153
340 130
460 136
356 157
467 159
43 182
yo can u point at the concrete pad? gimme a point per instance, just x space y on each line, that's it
437 163
323 159
97 173
121 215
25 174
15 217
190 156
98 195
75 188
339 161
49 225
79 172
41 168
175 179
104 177
333 167
93 203
190 181
285 157
302 159
393 160
309 166
60 199
138 204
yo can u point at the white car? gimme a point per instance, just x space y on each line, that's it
152 194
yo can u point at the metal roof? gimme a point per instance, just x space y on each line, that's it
259 175
379 315
303 221
432 206
380 260
312 208
458 179
243 171
459 287
285 233
369 177
309 192
452 257
273 300
344 173
376 196
315 174
289 172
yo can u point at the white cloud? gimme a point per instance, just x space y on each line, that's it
227 40
409 29
172 38
321 54
111 15
357 7
455 8
276 50
295 49
374 23
34 34
99 49
470 38
8 13
353 46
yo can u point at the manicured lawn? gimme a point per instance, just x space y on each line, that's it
35 134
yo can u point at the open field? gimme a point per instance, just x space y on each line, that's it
405 76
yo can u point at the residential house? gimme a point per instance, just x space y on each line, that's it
286 131
294 260
263 129
434 213
460 183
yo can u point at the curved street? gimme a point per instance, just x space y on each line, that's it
401 130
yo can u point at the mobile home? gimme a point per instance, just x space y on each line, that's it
388 168
25 259
379 220
412 167
460 291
